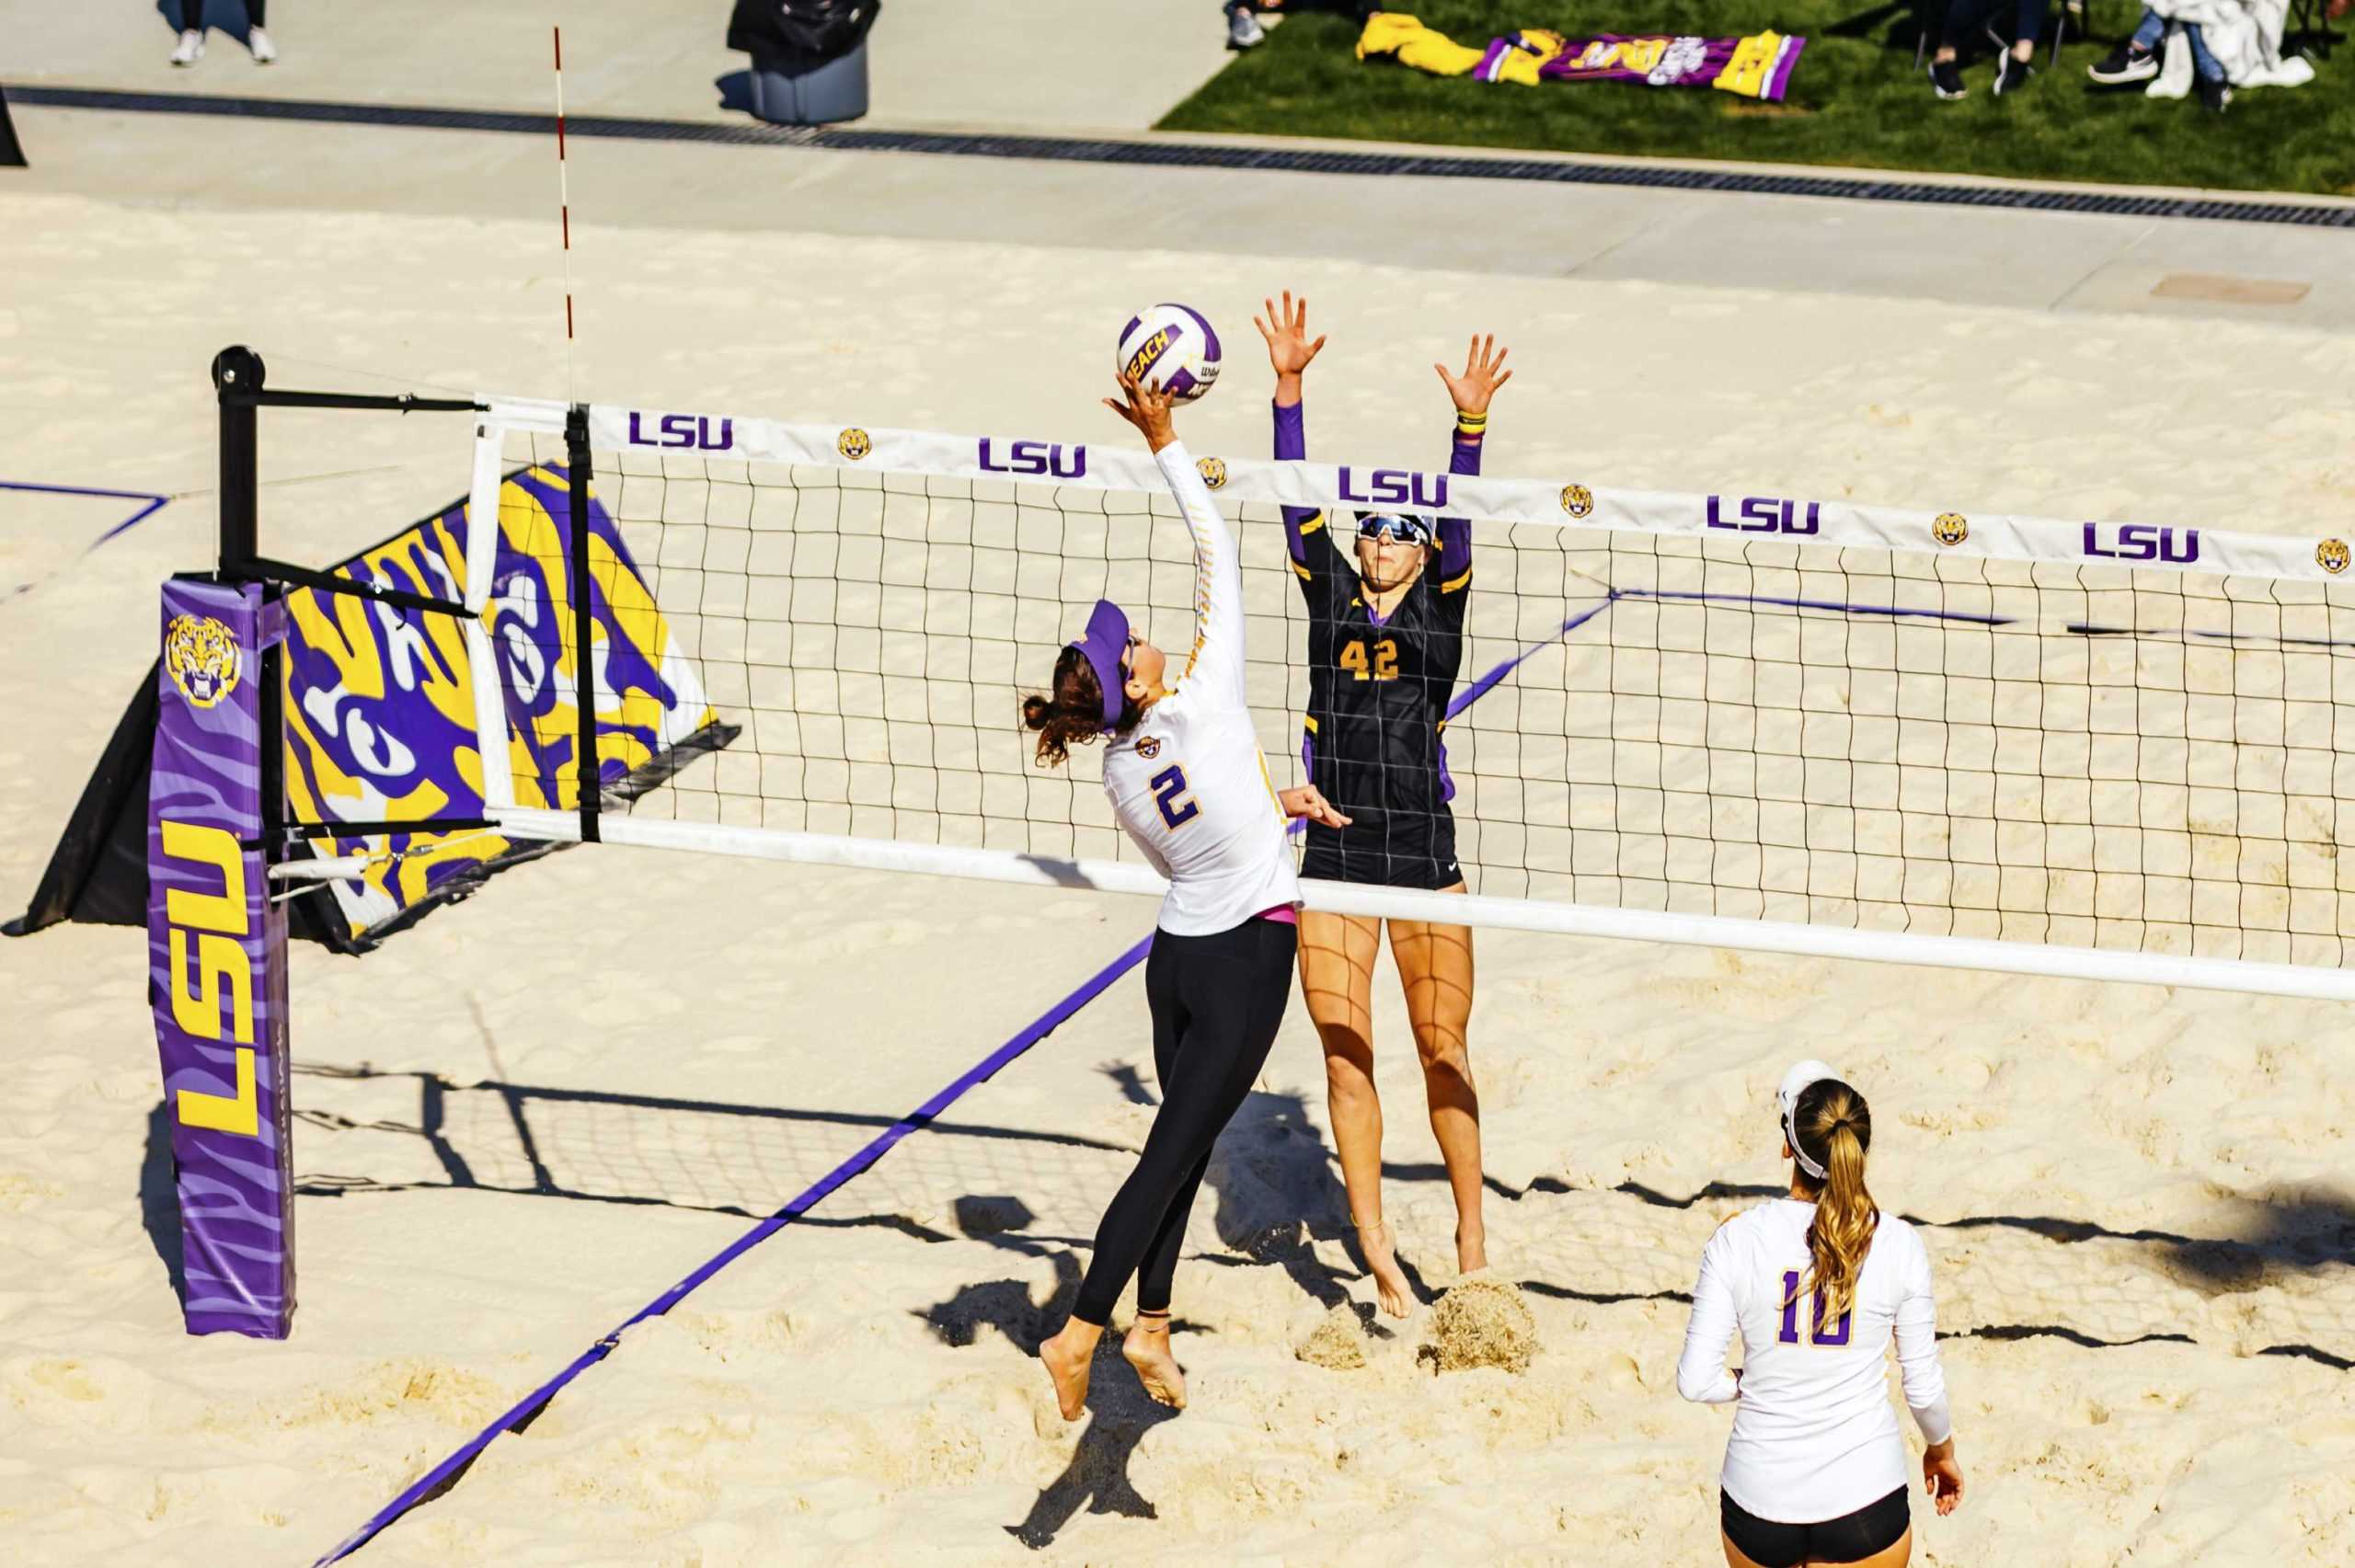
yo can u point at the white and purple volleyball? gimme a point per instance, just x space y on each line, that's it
1173 344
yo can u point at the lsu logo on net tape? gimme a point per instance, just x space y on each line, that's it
202 655
1212 470
1950 528
1577 500
2332 556
853 444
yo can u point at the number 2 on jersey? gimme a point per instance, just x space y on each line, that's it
1178 807
1383 666
1816 1336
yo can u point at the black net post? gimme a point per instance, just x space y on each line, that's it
237 378
237 375
584 684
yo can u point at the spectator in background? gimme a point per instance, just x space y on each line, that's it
1243 29
191 44
2219 47
2013 70
2137 60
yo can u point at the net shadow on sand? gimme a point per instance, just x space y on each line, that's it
709 1156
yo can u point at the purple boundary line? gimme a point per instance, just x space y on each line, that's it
1663 595
1487 683
979 1073
155 503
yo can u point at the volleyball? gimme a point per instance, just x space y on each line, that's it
1173 344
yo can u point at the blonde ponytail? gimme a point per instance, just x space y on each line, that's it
1836 1128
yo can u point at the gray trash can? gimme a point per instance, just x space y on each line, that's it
834 91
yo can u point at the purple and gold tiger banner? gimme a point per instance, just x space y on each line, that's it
1758 66
216 948
380 709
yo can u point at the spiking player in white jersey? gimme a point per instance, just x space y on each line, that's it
1818 1285
1186 777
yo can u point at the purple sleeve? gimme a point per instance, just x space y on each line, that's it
1456 532
1291 444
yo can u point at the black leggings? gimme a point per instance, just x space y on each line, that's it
1216 1002
192 14
1964 18
1852 1537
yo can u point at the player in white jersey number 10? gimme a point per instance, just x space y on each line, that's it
1184 773
1818 1285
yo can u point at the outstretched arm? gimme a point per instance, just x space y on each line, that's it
1216 664
1483 371
1289 351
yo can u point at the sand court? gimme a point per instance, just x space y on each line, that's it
520 1120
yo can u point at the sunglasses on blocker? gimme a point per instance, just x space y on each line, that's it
1395 526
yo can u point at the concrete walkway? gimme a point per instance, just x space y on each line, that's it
931 69
1061 64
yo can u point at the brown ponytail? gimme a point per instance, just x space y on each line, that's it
1834 1128
1075 714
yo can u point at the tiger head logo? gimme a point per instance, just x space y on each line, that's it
1577 499
2331 556
202 655
853 444
1149 748
1950 527
1213 471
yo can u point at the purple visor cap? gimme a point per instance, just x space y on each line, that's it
1105 641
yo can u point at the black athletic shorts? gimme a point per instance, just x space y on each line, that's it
1850 1537
1386 849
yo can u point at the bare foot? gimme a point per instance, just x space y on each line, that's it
1147 1349
1471 1248
1382 1261
1068 1357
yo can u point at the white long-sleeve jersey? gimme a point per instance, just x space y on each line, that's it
1190 783
1814 1435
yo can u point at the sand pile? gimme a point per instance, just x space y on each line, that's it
1481 1322
1337 1343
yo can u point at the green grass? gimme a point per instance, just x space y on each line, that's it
1855 99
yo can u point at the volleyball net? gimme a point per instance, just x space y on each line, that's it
2108 749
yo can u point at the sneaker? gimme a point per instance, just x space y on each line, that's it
1946 79
191 48
259 41
1242 30
2127 63
2012 74
2214 94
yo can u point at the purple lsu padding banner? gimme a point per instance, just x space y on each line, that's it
1758 66
216 948
381 721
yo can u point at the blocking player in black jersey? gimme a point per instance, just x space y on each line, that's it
1385 641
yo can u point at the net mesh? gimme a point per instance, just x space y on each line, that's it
2066 752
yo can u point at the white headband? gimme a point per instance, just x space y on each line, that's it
1794 1083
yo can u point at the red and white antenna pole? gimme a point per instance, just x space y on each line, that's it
564 212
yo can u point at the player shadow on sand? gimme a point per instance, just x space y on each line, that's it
1279 1189
1120 1414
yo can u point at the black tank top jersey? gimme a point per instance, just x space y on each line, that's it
1377 708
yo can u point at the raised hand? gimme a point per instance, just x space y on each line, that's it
1288 349
1147 407
1483 371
